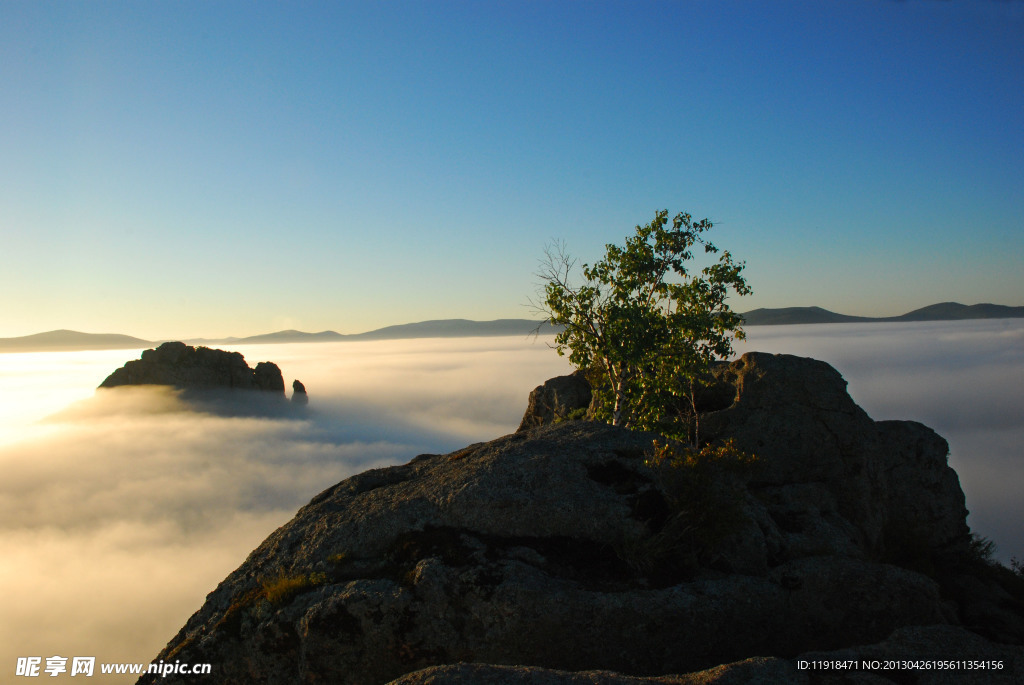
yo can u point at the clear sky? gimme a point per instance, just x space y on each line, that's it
180 169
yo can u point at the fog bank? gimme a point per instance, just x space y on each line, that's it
120 510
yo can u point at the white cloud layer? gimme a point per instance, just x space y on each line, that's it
120 511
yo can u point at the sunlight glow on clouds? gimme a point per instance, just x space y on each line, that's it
120 509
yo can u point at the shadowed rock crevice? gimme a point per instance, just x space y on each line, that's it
646 503
591 564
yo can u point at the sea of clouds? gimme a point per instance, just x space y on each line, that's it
120 510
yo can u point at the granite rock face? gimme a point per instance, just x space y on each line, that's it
299 395
556 399
183 366
540 557
869 486
925 644
833 478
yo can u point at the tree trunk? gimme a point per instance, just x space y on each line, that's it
617 413
696 416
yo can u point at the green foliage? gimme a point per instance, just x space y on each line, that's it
979 562
701 464
1013 579
703 491
577 414
643 321
982 548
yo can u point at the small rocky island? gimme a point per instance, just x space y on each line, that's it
209 377
556 555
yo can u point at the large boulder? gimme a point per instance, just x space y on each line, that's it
182 366
821 452
299 395
832 477
549 549
921 654
209 381
556 400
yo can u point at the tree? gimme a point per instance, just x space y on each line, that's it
642 324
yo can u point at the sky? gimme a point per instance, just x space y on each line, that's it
120 510
206 169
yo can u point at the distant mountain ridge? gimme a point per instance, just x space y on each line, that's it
952 311
796 315
437 328
65 340
943 311
290 335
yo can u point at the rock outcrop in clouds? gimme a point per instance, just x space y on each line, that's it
183 366
549 549
210 379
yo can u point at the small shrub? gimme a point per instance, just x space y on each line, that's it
1014 580
282 588
713 458
982 548
577 414
1009 578
704 492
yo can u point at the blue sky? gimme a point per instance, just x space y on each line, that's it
179 169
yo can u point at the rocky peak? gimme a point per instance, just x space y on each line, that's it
890 480
209 380
183 366
551 548
299 395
